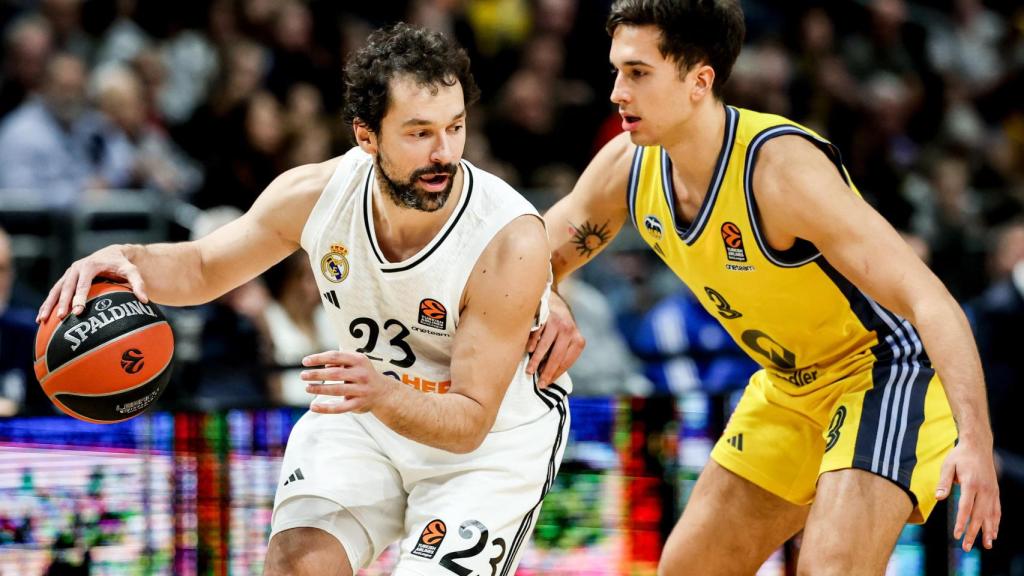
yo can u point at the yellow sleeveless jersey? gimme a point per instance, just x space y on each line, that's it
791 311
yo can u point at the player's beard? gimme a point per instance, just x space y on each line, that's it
407 194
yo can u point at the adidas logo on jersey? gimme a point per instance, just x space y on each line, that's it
736 442
294 477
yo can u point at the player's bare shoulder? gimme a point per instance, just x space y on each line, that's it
610 169
287 202
303 185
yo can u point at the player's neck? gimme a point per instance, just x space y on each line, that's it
694 148
402 231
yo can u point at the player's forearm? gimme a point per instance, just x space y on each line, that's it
950 345
452 421
173 273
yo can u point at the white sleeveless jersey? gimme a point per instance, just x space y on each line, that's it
403 315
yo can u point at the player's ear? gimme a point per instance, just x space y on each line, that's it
703 81
365 137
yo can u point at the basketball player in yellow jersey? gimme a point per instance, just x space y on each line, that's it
846 432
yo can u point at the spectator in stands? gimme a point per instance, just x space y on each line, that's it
19 392
297 325
66 18
684 349
52 144
145 157
27 45
606 366
997 317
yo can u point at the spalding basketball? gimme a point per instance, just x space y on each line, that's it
110 362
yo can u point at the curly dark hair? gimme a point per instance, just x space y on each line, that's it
692 31
429 57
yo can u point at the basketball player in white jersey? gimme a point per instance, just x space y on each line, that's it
426 429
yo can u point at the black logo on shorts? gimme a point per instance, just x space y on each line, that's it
736 441
430 539
724 310
833 428
294 477
132 360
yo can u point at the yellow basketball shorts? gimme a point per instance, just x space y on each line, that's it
898 428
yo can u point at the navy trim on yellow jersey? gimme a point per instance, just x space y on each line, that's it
690 234
894 406
388 267
802 251
634 179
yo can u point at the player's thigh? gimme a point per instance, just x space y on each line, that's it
306 551
730 526
854 524
479 520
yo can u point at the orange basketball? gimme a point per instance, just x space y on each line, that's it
110 362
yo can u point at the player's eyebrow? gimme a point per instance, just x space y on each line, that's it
424 122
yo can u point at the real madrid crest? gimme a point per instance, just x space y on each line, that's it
334 264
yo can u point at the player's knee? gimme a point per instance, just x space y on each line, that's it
828 561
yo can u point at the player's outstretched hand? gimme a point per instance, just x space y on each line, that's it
70 292
974 469
555 346
347 374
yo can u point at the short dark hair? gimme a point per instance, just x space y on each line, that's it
692 31
428 57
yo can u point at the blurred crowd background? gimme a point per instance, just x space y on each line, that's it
146 121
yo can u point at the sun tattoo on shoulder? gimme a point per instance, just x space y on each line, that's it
589 238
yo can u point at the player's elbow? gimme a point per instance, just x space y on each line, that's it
477 425
466 445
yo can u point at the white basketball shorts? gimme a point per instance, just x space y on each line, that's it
453 513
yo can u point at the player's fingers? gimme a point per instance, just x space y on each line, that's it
572 353
945 485
542 350
81 295
988 532
50 302
974 526
531 344
334 405
331 373
334 357
553 363
67 291
136 282
964 510
332 388
990 521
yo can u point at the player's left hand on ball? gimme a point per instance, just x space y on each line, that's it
979 509
346 374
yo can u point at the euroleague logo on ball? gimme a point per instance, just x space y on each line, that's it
132 360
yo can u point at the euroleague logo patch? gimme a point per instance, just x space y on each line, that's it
430 539
433 314
334 264
733 242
